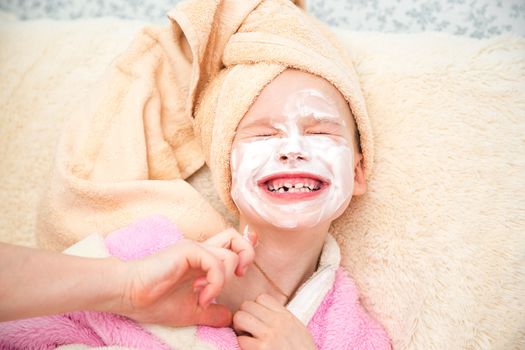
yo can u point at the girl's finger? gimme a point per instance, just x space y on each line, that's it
246 322
248 343
259 311
270 303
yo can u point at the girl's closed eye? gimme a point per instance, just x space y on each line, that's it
325 129
267 133
319 132
257 133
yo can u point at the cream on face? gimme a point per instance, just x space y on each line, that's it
294 168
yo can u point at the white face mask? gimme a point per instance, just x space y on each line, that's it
296 177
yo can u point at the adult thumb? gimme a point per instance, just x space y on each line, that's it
215 315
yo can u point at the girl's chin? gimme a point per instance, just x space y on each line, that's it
289 221
293 217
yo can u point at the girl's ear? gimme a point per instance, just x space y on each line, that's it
359 177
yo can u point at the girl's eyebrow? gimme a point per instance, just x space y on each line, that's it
307 119
256 124
326 118
261 122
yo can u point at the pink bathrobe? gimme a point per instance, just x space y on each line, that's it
336 321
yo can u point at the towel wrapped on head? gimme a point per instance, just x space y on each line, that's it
173 101
275 36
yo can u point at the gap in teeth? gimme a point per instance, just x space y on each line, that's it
281 186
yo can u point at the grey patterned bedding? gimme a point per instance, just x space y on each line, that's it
475 18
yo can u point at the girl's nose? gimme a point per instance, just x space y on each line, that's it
291 156
292 152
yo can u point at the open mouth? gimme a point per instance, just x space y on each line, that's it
293 185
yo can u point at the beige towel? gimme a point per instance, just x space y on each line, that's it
127 152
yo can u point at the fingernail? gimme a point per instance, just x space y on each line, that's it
200 283
254 239
246 233
206 304
250 236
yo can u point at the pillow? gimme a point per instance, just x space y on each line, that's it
435 245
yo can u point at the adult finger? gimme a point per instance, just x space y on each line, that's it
215 315
233 240
197 257
229 259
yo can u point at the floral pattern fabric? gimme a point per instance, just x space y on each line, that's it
474 18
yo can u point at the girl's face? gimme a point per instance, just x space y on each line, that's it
293 154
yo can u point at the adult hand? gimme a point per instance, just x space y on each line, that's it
176 286
270 326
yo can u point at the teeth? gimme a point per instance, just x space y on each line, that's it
291 189
280 186
277 183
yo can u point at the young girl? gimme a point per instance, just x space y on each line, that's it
296 165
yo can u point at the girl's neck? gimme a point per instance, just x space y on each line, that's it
288 257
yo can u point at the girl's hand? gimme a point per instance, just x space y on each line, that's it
176 286
270 326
